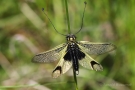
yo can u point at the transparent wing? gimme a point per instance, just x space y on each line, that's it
96 48
66 66
51 55
61 68
90 63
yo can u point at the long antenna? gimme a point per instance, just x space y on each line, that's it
52 23
82 18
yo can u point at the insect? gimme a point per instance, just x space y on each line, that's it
72 53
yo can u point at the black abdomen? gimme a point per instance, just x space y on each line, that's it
74 54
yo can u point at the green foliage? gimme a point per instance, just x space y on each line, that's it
25 31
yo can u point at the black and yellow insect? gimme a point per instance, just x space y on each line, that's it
72 53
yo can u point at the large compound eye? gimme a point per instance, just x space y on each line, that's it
68 38
74 37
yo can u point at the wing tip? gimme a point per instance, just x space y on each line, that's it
57 72
114 46
35 60
96 66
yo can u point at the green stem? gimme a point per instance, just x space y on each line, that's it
75 79
67 17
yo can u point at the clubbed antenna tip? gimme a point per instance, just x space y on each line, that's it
85 2
42 9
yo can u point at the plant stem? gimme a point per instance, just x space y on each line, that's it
67 17
75 79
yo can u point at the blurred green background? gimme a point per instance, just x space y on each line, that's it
25 31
